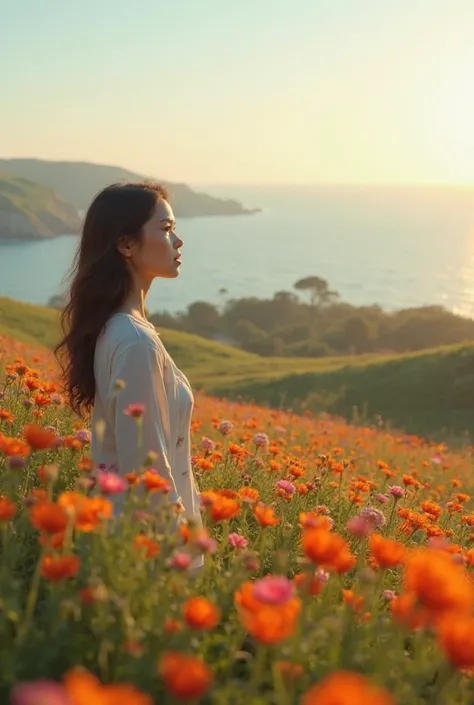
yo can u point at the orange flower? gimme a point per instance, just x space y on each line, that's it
185 676
199 613
132 478
143 543
48 517
82 688
289 672
13 446
346 688
266 623
432 509
327 549
39 438
223 508
7 509
85 464
461 497
32 383
310 584
204 464
249 494
171 626
386 552
405 611
6 416
42 400
313 520
456 638
355 601
154 482
438 584
72 442
265 516
271 624
88 512
52 541
60 567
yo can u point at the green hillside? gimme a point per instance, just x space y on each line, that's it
430 393
78 183
31 210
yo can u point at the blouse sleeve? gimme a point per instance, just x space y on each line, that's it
137 378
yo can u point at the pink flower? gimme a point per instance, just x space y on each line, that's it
374 516
237 541
396 491
389 595
40 692
437 459
180 561
382 498
207 444
225 427
111 483
322 509
83 435
206 544
261 440
273 590
135 410
286 486
322 575
359 526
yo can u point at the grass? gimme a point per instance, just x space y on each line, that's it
430 393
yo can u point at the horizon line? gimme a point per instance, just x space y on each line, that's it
467 185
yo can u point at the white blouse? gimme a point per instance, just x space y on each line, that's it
132 366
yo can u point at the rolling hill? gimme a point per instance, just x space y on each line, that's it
78 182
30 210
430 393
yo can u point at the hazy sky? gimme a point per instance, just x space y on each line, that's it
243 91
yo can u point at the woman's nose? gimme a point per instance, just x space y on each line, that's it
178 242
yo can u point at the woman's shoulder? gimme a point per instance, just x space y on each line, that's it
123 332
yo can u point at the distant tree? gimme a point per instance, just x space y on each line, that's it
357 334
319 291
164 319
204 318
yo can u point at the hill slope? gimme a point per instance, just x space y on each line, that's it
78 182
429 393
31 210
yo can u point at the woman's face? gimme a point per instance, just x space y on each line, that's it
157 254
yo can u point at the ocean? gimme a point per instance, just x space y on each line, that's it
396 247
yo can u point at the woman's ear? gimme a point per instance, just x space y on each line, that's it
124 246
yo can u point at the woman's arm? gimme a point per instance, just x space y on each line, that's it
137 378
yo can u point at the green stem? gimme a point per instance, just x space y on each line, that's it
30 602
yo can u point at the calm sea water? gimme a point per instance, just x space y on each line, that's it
394 247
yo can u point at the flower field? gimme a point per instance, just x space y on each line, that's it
337 561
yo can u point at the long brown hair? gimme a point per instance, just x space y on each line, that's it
100 281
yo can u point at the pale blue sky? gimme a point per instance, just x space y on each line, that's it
244 91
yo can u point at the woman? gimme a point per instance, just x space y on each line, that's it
112 356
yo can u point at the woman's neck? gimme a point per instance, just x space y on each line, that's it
135 303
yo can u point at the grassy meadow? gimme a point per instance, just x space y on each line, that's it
430 393
337 557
